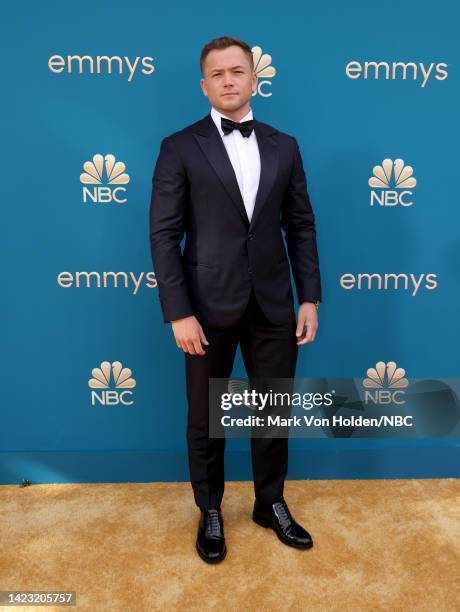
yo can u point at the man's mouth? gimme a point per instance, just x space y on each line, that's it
230 94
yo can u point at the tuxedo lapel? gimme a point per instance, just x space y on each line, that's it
269 160
210 141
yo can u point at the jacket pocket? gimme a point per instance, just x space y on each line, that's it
197 264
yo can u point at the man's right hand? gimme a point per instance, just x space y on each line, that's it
189 335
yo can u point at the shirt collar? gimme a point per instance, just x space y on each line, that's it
216 115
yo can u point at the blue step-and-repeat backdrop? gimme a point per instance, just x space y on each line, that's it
93 382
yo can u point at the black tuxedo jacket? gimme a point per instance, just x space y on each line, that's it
195 192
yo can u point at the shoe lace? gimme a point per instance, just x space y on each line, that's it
283 513
213 527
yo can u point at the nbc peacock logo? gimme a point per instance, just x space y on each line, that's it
111 384
103 179
264 70
392 183
385 383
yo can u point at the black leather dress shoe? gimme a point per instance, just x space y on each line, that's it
278 517
210 541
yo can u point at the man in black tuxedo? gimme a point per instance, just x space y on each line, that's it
231 183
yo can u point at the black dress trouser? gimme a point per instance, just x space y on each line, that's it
268 350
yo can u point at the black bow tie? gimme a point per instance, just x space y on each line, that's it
245 127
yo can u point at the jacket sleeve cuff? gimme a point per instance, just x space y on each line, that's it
175 308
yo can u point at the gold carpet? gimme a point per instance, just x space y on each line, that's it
378 545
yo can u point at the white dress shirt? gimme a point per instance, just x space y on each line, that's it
244 156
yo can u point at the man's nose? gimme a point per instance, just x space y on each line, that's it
228 80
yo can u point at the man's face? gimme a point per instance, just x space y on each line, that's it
228 79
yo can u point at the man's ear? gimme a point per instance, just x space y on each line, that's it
203 87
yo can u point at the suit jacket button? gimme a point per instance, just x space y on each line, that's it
250 270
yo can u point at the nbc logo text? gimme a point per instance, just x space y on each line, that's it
385 383
104 169
113 382
264 71
393 180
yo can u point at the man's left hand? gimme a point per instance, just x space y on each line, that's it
308 315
